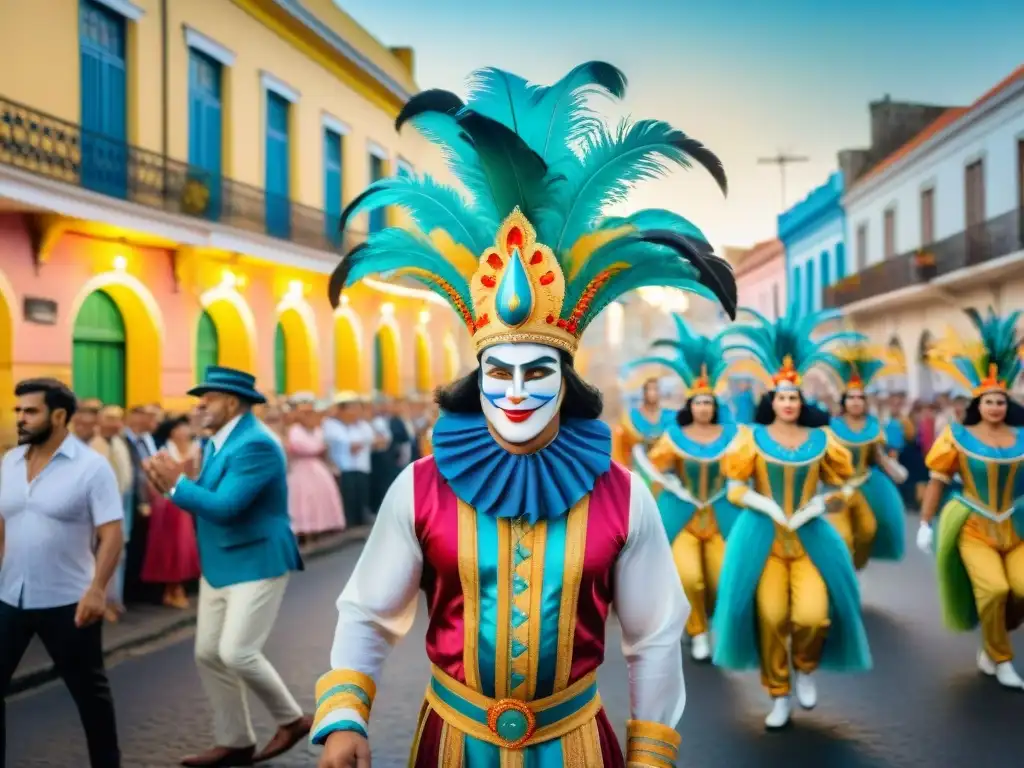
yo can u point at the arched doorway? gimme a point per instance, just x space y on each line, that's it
424 374
451 358
99 350
207 345
386 373
348 368
233 328
7 433
294 365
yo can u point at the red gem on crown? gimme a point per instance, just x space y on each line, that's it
514 239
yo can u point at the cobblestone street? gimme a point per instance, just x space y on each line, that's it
923 705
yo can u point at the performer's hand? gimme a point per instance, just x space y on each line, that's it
345 749
164 471
924 538
91 607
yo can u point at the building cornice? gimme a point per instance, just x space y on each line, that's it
874 182
329 49
758 256
821 205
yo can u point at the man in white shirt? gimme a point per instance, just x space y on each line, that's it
57 497
349 442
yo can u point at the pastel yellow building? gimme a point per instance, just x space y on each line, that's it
171 177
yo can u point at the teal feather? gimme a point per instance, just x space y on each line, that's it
460 156
769 342
431 206
652 218
548 118
612 164
396 249
676 365
694 353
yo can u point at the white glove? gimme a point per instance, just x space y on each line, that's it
809 511
924 538
755 501
896 471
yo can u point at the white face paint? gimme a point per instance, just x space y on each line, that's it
520 389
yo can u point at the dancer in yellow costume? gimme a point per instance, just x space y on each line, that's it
979 552
683 469
872 523
642 425
788 592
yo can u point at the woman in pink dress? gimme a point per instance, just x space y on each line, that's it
172 557
314 501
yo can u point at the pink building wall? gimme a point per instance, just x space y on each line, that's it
31 349
761 278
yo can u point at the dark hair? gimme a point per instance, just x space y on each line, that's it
810 415
684 416
581 401
56 394
1014 411
842 401
166 428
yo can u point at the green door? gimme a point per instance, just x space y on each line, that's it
378 363
207 345
280 361
98 350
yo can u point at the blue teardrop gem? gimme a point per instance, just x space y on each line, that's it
515 296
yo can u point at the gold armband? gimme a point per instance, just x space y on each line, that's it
651 745
343 701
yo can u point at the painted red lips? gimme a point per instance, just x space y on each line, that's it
517 417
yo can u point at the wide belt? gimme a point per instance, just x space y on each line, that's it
976 506
511 723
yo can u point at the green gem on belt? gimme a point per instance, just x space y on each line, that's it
512 725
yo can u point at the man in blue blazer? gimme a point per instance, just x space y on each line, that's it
247 551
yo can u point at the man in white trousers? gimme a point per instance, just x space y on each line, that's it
247 551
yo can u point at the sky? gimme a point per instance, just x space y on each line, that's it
749 78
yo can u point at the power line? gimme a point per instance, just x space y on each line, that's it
782 160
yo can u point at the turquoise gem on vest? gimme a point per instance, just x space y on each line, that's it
515 296
512 725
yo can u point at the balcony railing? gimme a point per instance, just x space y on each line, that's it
973 247
56 149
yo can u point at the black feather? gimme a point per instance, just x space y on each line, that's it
343 221
340 275
607 76
515 173
715 272
434 100
705 157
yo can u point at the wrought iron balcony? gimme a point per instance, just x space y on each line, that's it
997 237
56 149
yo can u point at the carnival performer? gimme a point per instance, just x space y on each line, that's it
872 521
683 468
519 528
979 554
642 425
788 591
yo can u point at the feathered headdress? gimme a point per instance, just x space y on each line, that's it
785 348
857 366
698 360
532 258
993 364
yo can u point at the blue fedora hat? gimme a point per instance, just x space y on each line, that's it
230 382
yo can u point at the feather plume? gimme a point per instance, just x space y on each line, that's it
694 355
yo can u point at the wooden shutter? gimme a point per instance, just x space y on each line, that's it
889 233
927 217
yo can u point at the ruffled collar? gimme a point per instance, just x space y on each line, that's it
537 486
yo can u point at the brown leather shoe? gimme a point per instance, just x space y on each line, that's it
221 757
287 736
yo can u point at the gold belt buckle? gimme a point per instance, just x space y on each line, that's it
512 721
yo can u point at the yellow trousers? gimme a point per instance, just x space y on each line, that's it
857 526
699 562
997 577
792 608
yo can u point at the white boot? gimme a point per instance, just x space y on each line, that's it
806 690
985 664
700 647
779 716
1007 676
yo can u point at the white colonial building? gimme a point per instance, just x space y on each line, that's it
938 226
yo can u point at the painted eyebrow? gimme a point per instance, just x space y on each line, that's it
498 363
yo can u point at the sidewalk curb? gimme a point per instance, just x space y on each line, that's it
40 676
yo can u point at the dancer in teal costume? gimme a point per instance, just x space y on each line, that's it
872 524
779 539
683 468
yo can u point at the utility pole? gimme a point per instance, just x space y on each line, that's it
782 160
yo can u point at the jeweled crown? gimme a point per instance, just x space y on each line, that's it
518 291
702 384
991 382
787 374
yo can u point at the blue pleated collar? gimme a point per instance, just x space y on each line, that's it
537 486
869 432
